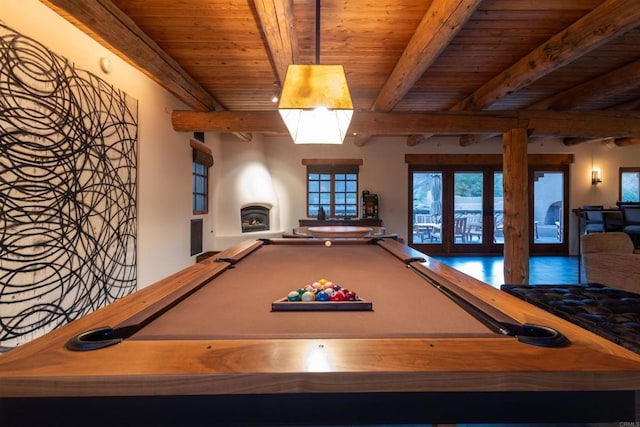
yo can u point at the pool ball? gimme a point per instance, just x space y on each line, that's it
322 296
337 296
322 281
350 296
293 296
327 243
308 296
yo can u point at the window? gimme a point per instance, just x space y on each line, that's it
334 187
200 188
202 161
630 184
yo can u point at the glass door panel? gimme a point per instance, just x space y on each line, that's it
427 207
467 225
498 209
548 202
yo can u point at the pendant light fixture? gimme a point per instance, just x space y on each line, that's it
315 103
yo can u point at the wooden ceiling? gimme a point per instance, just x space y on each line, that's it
472 68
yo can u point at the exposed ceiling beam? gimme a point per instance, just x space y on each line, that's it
591 31
575 141
588 124
413 140
107 24
623 142
278 26
621 80
439 25
606 22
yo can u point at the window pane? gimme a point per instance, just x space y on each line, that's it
467 207
548 195
340 186
314 199
199 203
427 207
199 184
630 187
314 186
352 186
325 200
339 199
325 186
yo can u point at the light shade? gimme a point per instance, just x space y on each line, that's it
315 104
595 176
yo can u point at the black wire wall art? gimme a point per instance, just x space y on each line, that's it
68 190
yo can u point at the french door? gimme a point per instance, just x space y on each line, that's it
460 209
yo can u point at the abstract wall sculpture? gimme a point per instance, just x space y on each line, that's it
68 187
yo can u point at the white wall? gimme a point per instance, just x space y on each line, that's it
164 165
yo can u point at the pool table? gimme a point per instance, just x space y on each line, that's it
206 346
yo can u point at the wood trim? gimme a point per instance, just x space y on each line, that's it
332 162
484 159
200 146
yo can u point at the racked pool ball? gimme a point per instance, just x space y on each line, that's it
308 296
337 296
350 296
322 296
293 296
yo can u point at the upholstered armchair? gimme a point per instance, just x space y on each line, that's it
610 259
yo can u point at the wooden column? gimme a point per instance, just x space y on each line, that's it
516 206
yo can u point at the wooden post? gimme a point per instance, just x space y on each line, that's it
516 206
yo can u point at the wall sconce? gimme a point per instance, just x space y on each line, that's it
595 176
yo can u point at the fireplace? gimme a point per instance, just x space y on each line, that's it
254 218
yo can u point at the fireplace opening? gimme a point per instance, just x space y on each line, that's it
254 218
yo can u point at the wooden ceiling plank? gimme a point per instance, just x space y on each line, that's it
606 22
103 21
278 26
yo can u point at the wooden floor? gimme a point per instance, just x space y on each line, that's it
543 270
